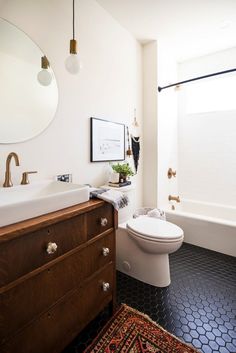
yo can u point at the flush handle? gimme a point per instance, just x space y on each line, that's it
51 248
105 251
105 286
104 222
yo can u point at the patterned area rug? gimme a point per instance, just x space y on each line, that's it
130 331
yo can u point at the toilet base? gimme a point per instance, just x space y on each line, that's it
149 268
158 278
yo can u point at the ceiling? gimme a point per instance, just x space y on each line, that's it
191 27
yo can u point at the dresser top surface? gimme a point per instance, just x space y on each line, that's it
17 229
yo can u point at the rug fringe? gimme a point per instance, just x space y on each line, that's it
159 326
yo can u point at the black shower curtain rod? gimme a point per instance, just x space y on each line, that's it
195 79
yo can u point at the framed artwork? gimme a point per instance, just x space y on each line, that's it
107 141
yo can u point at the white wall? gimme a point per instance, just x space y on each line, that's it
167 125
160 124
207 141
108 87
150 124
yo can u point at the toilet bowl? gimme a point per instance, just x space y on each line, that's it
143 248
143 244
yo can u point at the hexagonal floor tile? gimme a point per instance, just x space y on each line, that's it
198 307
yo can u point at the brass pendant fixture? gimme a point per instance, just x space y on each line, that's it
44 76
72 62
73 46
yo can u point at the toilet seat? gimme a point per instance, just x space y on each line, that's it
154 229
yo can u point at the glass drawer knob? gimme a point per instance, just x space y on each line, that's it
104 222
51 248
105 251
105 286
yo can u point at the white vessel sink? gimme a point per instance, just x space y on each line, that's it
22 202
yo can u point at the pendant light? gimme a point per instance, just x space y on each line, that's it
135 126
44 77
72 63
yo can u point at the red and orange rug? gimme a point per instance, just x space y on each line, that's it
130 331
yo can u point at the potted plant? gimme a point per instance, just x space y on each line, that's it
124 171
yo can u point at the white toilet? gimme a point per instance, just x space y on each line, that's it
143 245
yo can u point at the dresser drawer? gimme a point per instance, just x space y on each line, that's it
54 329
100 220
22 255
21 303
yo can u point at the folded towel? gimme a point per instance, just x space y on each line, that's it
157 213
141 212
116 198
150 212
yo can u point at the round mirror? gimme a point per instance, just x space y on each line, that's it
28 88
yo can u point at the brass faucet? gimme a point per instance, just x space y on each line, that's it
8 182
174 198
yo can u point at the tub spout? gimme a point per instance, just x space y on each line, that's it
174 198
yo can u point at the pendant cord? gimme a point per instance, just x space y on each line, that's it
73 19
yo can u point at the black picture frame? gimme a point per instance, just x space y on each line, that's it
107 140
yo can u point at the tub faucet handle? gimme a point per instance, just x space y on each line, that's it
171 173
174 198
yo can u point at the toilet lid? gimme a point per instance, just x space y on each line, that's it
154 228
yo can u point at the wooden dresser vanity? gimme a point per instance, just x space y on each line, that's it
57 272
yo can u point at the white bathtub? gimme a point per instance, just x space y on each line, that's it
210 226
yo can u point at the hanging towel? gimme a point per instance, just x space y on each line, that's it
116 198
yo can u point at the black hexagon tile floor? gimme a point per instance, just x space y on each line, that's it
199 306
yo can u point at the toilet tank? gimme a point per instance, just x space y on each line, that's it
127 212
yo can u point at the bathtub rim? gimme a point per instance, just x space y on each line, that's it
215 220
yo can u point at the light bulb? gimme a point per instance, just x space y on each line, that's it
44 77
72 64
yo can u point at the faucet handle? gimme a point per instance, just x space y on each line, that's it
25 179
171 173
